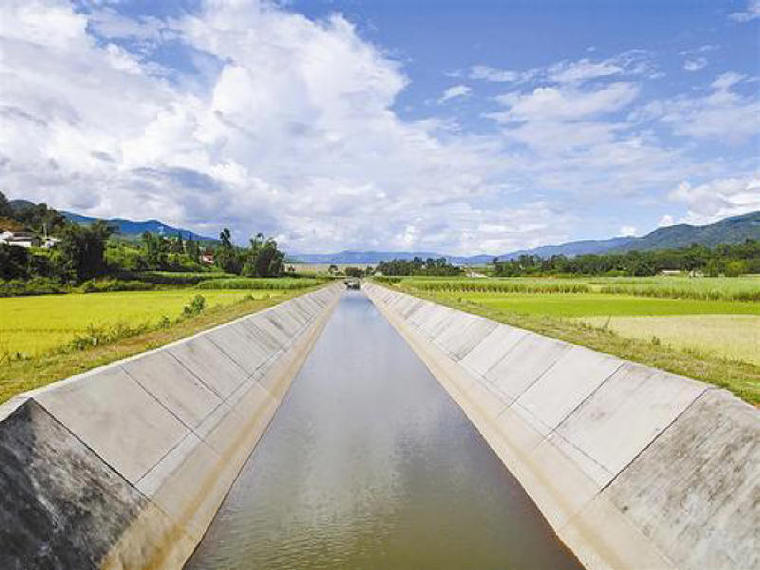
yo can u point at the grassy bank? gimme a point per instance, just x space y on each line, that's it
561 316
22 374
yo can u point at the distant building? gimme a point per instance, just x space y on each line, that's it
207 258
20 239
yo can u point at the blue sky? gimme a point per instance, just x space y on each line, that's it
459 127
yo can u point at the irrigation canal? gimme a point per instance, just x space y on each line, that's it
370 464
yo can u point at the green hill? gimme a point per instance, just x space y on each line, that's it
729 230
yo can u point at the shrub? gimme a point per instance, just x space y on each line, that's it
195 307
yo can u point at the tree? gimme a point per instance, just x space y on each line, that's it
156 250
225 256
81 250
5 207
225 238
332 269
263 258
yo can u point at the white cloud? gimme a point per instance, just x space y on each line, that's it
292 133
666 220
487 73
718 198
631 63
583 70
454 92
723 114
627 231
752 12
551 103
695 64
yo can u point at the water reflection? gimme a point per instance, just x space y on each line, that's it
369 464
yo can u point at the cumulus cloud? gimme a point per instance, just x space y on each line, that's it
291 132
723 113
666 220
719 198
454 92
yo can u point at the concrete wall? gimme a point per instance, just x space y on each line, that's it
126 465
633 467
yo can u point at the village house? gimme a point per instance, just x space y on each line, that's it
22 239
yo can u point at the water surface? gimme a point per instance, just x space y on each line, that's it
369 464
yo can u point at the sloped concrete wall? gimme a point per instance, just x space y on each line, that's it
633 467
126 465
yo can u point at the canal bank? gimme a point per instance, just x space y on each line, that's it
370 464
126 465
632 467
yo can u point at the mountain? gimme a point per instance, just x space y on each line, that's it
130 229
571 248
359 257
729 230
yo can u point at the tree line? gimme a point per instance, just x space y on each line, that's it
418 266
85 252
727 259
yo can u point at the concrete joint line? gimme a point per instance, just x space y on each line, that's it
656 437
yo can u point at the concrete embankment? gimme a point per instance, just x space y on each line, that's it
125 466
633 467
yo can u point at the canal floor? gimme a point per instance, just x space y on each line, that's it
370 464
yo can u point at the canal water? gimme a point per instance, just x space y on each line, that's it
370 464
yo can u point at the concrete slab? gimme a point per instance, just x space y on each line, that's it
207 361
61 506
235 342
450 336
626 413
604 539
492 349
564 386
695 490
525 364
474 334
173 385
118 419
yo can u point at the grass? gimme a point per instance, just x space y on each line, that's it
20 375
280 283
32 326
587 319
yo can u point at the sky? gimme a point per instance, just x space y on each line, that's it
460 127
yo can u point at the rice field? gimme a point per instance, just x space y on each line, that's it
34 325
730 336
746 289
571 305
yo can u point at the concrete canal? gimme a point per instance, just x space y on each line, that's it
369 464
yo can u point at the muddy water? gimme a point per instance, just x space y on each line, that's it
369 464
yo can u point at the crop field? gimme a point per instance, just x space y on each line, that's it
731 336
34 325
704 288
707 328
602 305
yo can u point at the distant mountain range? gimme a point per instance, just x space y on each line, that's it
129 229
730 230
